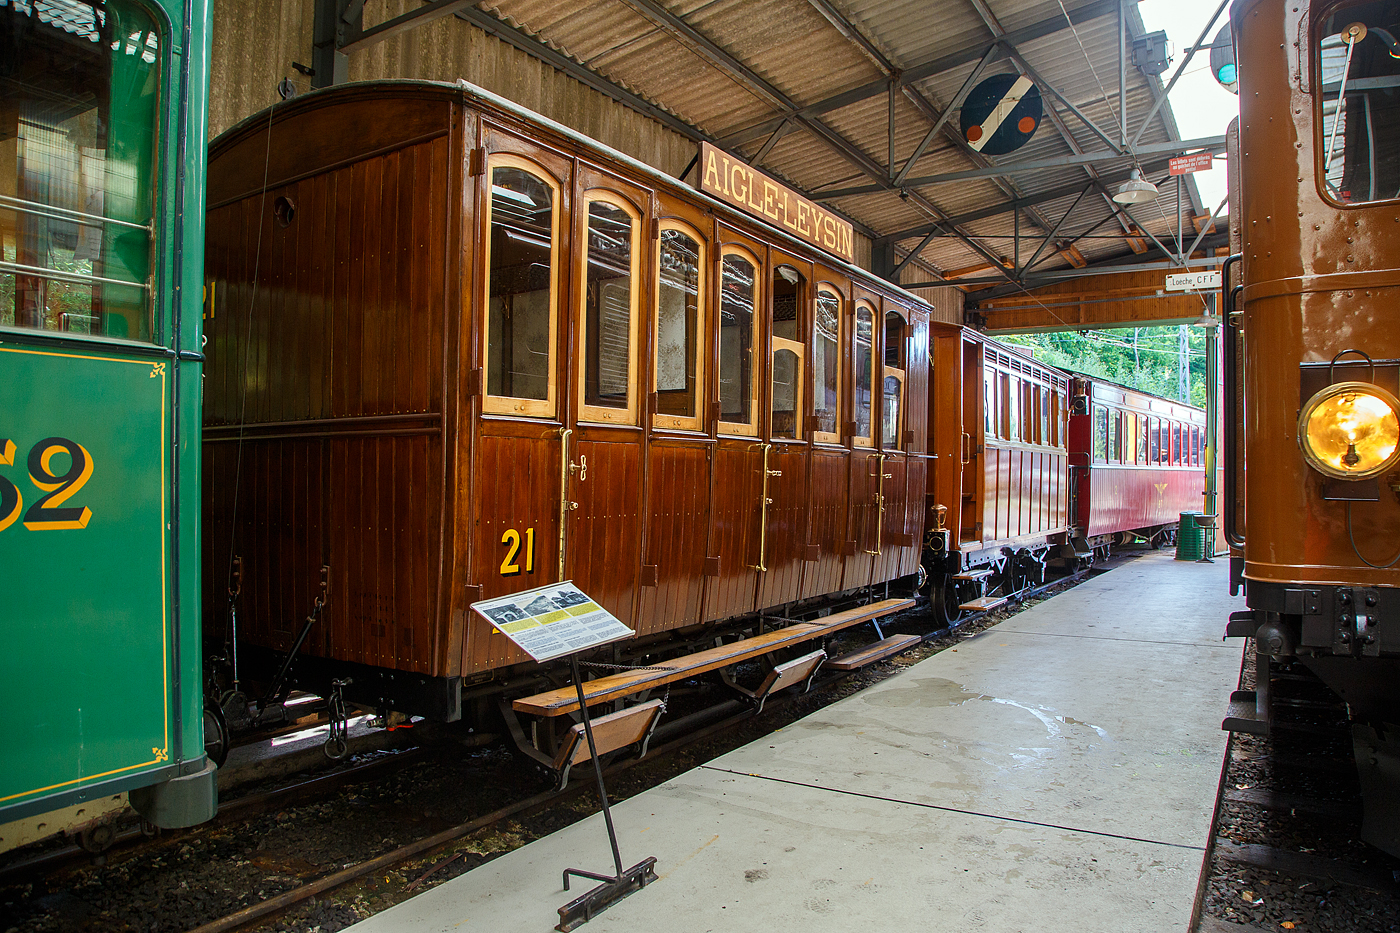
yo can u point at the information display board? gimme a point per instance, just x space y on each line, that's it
551 621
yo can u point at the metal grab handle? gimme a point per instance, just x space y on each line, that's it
966 448
565 506
764 502
881 476
1229 348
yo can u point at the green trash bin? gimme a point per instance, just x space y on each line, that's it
1190 537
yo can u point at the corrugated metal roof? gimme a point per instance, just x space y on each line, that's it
737 67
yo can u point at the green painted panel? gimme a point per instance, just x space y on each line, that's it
84 613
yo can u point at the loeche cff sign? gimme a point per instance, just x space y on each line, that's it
753 192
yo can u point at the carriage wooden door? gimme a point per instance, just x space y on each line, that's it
604 443
520 329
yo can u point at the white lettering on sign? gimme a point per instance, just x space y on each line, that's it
1195 162
1192 281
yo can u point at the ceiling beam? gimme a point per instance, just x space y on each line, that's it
1215 144
533 47
917 73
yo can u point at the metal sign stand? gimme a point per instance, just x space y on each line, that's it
614 887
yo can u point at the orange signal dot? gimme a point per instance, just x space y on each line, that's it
1026 125
974 133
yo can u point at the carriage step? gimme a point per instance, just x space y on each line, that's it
981 574
982 603
1243 714
614 686
873 652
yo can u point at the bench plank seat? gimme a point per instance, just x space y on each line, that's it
873 652
625 683
983 603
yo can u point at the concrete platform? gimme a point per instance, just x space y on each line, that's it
1055 773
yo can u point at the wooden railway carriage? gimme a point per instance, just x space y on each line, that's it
457 351
1137 462
998 490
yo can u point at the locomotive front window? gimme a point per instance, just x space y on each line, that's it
737 290
680 259
826 366
609 313
521 322
1359 97
788 292
864 372
78 157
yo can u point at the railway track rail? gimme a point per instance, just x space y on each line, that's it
1283 851
676 737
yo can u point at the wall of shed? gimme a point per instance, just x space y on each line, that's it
256 42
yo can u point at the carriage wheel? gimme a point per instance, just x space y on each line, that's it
943 595
216 738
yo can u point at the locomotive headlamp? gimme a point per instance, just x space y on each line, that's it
1351 430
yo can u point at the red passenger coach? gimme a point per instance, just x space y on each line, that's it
1136 462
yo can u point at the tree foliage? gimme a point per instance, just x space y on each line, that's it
1146 358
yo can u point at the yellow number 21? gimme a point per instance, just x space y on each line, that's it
511 539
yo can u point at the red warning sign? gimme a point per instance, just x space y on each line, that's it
1195 162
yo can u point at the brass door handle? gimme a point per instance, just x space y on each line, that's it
966 447
581 468
764 502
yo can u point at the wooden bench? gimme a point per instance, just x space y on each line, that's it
782 676
983 603
873 652
631 726
615 686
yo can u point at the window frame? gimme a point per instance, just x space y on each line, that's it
896 372
598 413
509 404
694 422
159 318
798 347
730 428
830 437
866 441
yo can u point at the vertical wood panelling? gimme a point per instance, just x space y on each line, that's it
828 496
678 517
787 526
605 533
734 529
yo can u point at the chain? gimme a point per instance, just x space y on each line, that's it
337 741
633 667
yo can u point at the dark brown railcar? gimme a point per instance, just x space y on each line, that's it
457 351
997 496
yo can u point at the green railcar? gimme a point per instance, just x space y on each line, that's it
102 168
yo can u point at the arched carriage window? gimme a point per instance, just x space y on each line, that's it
892 394
788 351
680 296
826 366
610 312
863 362
521 318
738 296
